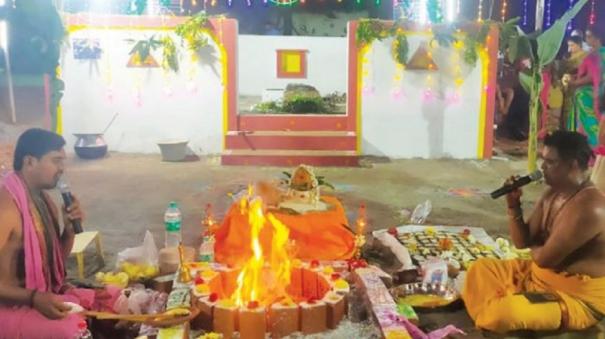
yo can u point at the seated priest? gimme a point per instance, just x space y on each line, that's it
563 285
33 248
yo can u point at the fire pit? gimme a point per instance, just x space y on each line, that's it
314 301
272 292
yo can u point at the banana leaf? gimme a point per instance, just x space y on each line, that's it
526 81
550 41
519 47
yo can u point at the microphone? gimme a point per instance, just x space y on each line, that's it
68 200
505 189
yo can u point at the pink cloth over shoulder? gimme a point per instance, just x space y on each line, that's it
34 267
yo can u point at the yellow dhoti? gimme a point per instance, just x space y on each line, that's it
493 295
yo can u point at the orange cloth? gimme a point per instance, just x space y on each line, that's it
318 235
493 295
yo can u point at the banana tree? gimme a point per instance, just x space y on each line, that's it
519 48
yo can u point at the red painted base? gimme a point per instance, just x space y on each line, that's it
290 160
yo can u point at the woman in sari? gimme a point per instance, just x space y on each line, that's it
588 86
571 65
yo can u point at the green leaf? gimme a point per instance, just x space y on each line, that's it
519 48
550 41
526 81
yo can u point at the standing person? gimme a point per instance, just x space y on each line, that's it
571 64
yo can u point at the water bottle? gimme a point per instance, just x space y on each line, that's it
207 249
172 221
83 332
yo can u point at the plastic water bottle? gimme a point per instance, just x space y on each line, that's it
207 249
83 332
172 221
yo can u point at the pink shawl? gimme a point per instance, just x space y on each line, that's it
34 266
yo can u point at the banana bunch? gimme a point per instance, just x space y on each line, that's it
115 279
510 251
137 272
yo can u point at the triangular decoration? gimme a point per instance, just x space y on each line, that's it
422 60
135 61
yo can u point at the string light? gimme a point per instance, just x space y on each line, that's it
548 12
524 12
480 11
503 10
593 13
458 7
570 25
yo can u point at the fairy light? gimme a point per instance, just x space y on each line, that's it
480 11
570 25
504 10
548 12
524 12
593 13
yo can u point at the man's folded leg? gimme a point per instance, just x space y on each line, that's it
516 312
27 323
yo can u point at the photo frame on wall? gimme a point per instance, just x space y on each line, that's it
87 49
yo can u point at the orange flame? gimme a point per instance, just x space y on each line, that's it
258 281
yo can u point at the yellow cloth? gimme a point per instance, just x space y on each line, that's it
493 300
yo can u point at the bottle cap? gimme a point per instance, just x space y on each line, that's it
173 204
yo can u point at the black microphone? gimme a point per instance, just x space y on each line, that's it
68 200
505 189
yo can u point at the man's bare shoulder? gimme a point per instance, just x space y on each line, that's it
9 213
591 203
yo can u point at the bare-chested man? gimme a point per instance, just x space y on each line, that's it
32 247
563 286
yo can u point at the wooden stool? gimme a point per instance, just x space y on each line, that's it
82 241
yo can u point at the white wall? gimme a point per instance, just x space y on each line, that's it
410 126
257 58
193 111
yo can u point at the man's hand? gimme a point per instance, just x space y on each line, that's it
50 305
73 212
513 199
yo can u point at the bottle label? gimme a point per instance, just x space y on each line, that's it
173 226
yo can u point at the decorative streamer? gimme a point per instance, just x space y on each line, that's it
504 10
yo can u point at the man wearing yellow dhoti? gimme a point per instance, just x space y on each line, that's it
563 286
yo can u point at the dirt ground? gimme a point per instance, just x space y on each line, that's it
125 194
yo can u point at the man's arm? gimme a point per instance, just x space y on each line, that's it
9 220
524 234
569 235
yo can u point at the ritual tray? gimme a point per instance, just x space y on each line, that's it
423 295
462 244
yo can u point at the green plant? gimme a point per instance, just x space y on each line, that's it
170 59
519 47
304 104
401 48
370 30
192 32
142 48
268 107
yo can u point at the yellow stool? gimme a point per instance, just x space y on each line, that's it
82 241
